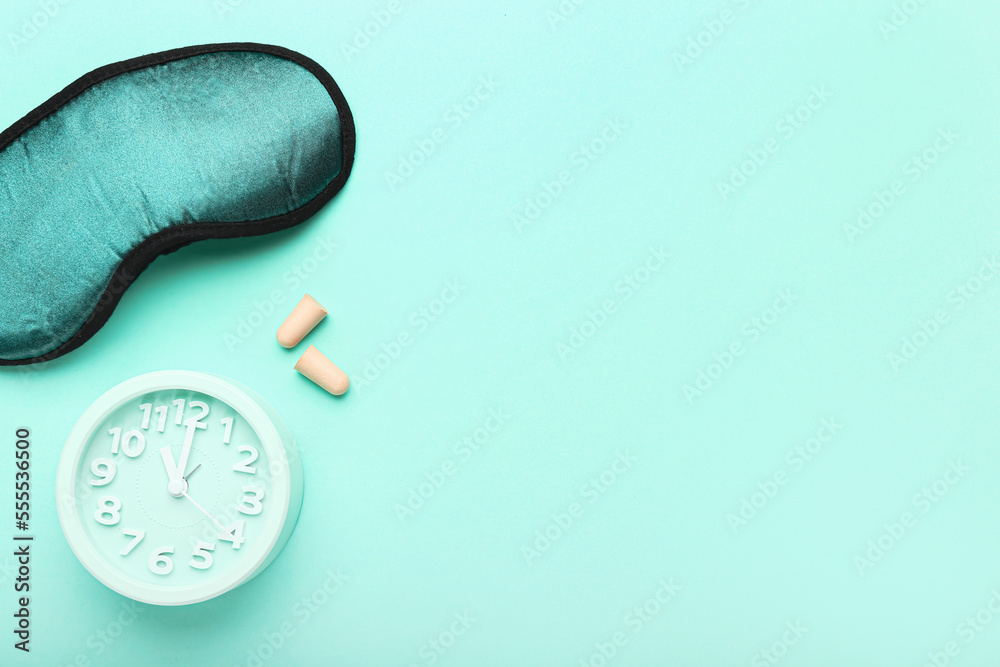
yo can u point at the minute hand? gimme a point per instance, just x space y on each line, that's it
186 450
204 511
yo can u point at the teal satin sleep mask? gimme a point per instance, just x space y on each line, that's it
141 157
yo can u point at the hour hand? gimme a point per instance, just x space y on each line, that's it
168 463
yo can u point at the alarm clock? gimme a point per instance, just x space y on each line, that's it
175 487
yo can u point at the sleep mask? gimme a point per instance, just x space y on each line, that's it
142 157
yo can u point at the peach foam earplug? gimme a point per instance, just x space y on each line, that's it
315 366
307 314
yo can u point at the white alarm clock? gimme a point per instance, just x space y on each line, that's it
175 487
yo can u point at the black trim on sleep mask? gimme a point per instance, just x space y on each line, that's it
169 240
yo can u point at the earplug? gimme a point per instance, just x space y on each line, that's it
303 319
315 366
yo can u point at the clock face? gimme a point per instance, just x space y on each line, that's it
176 497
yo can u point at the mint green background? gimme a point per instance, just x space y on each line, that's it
496 345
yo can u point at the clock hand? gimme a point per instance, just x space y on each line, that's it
168 463
177 485
191 473
203 511
186 449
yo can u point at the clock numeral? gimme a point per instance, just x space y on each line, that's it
147 411
234 534
136 535
104 470
159 562
227 436
179 415
128 448
162 414
199 421
252 500
180 404
242 465
108 506
117 435
125 442
202 550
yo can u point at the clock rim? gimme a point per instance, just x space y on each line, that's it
261 420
